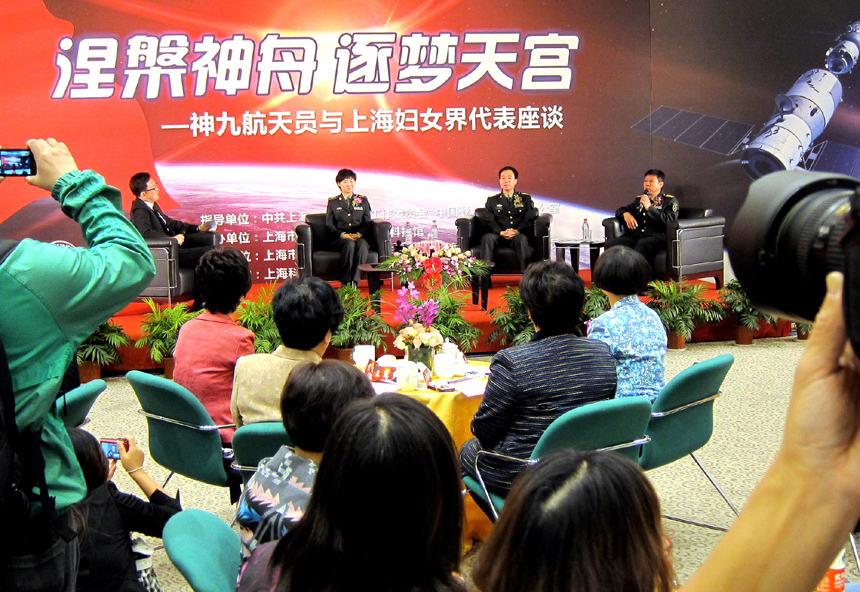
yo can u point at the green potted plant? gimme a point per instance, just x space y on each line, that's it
803 330
449 319
160 329
596 303
680 306
100 349
257 316
361 325
513 325
748 318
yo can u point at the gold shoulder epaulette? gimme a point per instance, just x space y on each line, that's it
334 197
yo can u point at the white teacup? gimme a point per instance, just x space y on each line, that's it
362 354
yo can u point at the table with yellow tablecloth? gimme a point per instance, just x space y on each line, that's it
456 411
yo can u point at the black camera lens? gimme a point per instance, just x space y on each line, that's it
786 239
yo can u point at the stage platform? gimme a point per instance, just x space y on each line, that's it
131 317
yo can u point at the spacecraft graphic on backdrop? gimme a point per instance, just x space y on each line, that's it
786 140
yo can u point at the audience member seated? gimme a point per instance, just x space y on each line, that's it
531 385
277 494
633 332
584 521
209 346
307 313
107 562
386 512
146 215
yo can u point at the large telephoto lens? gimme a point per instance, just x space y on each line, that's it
785 240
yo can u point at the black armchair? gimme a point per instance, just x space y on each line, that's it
170 280
311 241
694 245
469 233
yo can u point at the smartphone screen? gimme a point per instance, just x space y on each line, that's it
17 162
110 447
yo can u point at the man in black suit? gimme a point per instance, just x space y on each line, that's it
510 219
151 222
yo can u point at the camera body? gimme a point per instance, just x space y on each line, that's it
794 228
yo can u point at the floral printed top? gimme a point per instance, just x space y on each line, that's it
637 340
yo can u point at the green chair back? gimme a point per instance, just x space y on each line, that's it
75 404
689 416
204 549
255 441
194 452
598 425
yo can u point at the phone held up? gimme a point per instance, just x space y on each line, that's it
17 162
110 446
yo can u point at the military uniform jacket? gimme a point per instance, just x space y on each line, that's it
664 209
516 212
347 215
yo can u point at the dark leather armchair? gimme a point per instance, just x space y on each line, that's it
470 231
311 241
170 281
694 245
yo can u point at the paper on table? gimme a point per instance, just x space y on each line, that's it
471 388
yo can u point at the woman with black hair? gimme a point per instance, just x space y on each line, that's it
533 384
109 516
209 346
385 514
583 521
633 332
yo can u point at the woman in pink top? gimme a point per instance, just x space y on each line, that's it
209 345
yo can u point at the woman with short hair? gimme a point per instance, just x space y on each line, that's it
385 514
633 332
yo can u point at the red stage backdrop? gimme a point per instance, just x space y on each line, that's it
244 111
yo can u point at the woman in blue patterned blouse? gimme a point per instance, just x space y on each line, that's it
632 331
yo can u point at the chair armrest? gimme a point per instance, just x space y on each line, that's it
382 233
171 244
612 228
707 222
466 229
481 478
542 236
304 249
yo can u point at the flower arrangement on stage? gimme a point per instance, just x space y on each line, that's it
417 317
437 261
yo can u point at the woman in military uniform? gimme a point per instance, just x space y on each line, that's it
347 220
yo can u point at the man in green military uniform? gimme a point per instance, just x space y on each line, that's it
644 220
347 220
509 217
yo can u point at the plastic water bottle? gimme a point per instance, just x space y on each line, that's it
407 234
586 230
434 231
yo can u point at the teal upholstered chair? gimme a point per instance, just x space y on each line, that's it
682 419
254 442
204 549
614 424
182 436
75 404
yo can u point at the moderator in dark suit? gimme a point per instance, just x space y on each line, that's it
531 385
153 223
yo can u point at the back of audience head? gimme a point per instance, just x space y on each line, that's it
92 459
621 271
223 278
315 395
553 294
386 511
305 310
584 521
